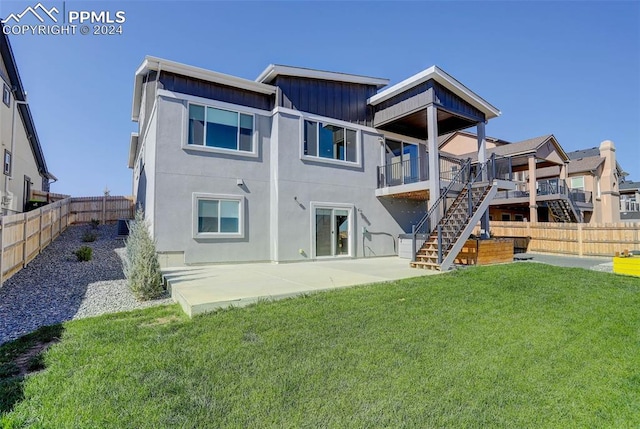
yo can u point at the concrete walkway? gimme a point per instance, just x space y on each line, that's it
199 289
569 261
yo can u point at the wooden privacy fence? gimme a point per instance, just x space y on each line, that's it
582 239
24 235
104 209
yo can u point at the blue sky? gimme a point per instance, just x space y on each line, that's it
571 69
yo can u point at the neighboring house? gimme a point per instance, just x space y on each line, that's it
551 185
24 166
630 201
299 164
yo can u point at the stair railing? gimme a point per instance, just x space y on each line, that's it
487 170
576 210
462 176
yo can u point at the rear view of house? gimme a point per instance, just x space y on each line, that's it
299 164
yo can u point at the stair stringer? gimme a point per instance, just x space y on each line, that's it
471 224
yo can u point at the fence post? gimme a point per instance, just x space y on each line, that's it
580 251
104 209
60 219
24 239
40 232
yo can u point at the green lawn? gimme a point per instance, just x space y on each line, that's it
520 345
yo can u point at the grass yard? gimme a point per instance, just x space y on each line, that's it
519 345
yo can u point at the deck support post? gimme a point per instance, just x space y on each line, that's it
434 160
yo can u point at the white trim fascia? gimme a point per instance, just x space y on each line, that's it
443 78
273 70
212 102
155 63
318 118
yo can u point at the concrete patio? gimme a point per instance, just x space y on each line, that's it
203 288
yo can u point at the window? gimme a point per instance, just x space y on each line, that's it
7 162
519 218
506 217
218 215
219 128
329 141
577 183
6 95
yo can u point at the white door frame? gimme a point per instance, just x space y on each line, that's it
351 232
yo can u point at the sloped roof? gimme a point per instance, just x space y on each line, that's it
436 74
630 185
448 136
584 164
519 148
584 153
273 70
23 109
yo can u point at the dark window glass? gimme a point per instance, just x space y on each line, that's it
196 125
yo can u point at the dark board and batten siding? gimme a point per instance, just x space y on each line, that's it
455 104
340 100
214 91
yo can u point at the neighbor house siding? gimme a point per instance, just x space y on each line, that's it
340 100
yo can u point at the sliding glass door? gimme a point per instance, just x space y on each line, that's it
332 232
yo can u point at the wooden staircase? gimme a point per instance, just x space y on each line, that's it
562 210
453 228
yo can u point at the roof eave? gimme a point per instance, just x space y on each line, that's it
273 70
443 78
155 64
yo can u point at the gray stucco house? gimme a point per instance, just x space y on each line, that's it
297 165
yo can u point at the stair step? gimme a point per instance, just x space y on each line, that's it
425 265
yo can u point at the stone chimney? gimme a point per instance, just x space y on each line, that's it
609 192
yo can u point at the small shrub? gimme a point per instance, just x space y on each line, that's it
85 253
141 266
89 236
95 223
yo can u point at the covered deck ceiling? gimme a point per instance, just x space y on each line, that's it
402 108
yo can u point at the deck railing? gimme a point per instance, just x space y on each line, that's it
629 206
548 187
415 169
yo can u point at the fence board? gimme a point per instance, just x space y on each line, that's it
592 239
24 235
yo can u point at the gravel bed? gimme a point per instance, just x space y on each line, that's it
55 287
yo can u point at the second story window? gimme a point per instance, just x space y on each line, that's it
577 183
330 141
7 162
6 95
219 128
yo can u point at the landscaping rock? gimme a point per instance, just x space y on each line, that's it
56 287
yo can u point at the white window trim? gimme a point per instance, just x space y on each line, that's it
313 205
6 91
206 196
319 159
582 188
234 152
